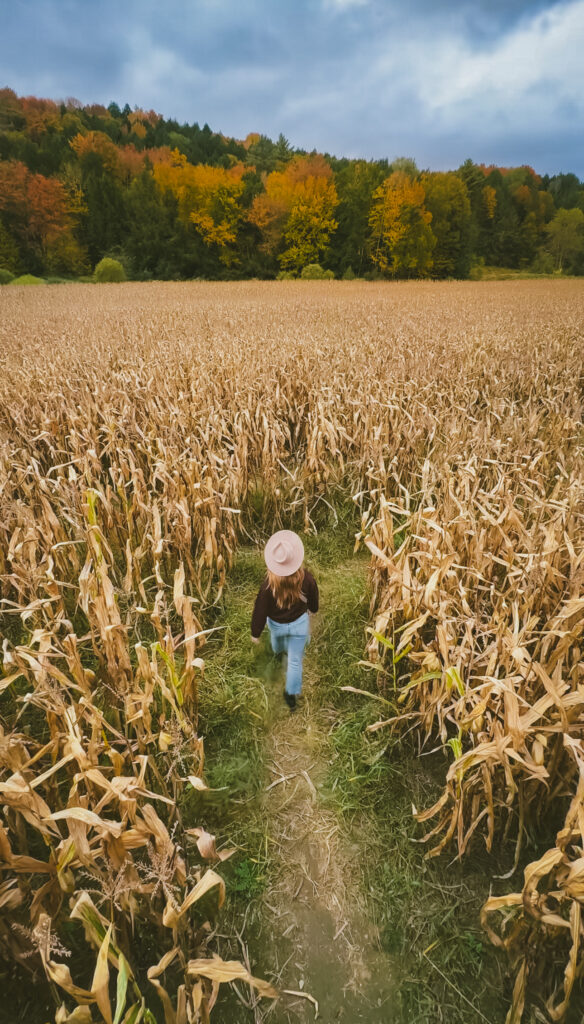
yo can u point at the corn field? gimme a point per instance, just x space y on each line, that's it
142 429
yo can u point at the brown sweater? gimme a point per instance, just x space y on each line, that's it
266 607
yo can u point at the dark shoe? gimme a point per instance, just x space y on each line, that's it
290 700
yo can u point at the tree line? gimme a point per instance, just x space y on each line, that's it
177 201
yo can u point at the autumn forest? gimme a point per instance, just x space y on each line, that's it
176 201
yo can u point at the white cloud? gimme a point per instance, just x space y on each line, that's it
438 81
530 71
343 5
151 69
548 50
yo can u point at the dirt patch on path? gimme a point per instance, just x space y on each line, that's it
316 938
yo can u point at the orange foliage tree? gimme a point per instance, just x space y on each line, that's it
123 162
131 162
40 116
536 202
35 208
159 155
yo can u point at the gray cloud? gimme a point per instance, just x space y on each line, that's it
499 80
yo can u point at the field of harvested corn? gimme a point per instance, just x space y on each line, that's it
145 430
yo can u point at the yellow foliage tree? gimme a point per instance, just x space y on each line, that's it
401 237
98 143
297 210
65 255
251 138
490 201
310 222
271 209
446 198
208 197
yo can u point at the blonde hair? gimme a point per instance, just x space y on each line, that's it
286 589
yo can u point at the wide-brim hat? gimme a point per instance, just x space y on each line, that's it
284 553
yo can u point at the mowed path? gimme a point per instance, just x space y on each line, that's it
322 942
312 936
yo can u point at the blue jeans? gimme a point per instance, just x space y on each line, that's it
291 637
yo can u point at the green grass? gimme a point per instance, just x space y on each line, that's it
235 717
488 273
426 913
28 279
233 720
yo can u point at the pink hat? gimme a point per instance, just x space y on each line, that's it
284 553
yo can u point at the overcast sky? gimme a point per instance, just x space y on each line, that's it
501 81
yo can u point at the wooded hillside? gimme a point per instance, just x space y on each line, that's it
177 201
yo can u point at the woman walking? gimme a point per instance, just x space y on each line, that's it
286 597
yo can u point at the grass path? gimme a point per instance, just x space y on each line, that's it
322 941
329 894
